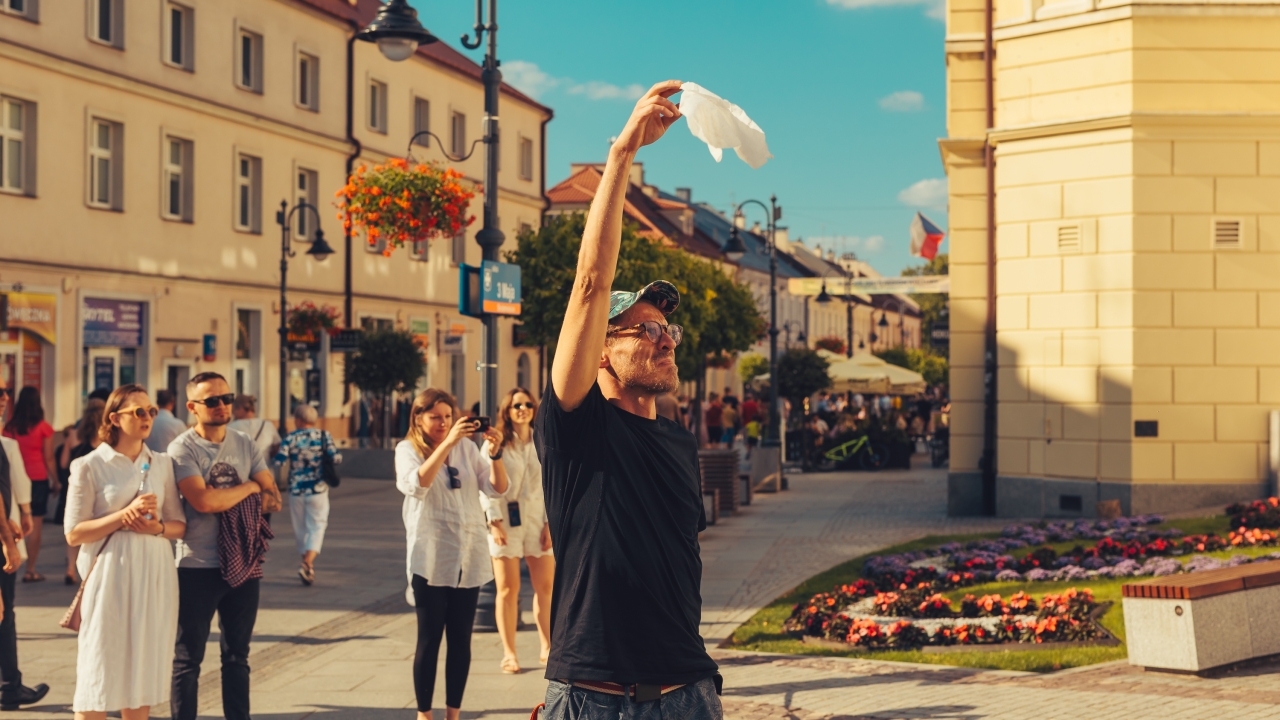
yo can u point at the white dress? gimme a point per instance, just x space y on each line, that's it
524 485
129 613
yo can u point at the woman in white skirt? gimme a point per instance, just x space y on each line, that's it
123 509
305 449
518 528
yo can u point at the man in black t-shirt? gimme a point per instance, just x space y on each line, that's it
621 483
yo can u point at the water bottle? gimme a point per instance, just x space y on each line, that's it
143 489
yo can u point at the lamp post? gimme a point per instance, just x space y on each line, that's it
319 250
398 34
902 319
824 298
800 337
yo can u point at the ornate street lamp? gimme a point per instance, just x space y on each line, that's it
320 251
397 31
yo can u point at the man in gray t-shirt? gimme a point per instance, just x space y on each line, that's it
216 469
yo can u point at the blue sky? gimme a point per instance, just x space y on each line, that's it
850 94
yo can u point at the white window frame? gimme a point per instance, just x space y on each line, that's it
247 198
28 10
24 137
114 157
306 184
182 168
421 118
256 42
375 248
526 173
306 85
114 22
185 36
376 106
457 133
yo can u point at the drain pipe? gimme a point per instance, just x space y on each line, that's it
357 148
989 331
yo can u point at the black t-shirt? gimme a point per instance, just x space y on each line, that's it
624 502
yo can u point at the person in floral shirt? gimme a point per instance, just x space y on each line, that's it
308 493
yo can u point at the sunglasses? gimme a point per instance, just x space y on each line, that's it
654 330
4 392
214 401
523 406
141 413
455 483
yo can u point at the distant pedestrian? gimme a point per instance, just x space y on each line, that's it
750 408
264 433
668 407
305 449
15 497
729 420
714 412
218 470
123 508
167 425
440 471
518 528
82 439
35 439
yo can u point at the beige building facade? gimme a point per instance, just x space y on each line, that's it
147 148
1136 252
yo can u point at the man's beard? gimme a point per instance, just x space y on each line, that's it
648 378
216 422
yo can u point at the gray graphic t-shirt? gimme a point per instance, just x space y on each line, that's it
192 455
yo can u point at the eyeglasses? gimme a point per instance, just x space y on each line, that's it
4 392
214 401
455 483
654 330
139 412
523 406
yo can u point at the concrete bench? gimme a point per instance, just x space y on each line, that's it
1203 620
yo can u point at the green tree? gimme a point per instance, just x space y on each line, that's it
931 305
929 364
385 362
752 366
801 373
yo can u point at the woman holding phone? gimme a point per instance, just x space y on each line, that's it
123 509
448 554
518 528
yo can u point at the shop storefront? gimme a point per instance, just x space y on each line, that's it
27 339
115 335
306 364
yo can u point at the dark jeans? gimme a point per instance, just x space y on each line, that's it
697 701
201 592
442 611
9 675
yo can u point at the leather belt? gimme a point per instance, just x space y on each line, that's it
638 692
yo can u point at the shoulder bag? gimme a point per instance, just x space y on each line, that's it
328 468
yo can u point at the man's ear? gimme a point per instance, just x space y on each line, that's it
604 360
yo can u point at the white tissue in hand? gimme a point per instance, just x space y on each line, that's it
721 124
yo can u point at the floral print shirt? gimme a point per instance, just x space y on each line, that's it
303 448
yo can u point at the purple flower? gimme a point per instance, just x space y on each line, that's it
1239 560
1093 563
1038 575
1203 562
1161 566
1010 575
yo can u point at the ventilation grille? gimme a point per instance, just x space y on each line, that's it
1226 233
1069 238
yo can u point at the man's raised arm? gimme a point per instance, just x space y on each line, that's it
586 319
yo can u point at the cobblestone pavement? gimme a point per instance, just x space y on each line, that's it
343 649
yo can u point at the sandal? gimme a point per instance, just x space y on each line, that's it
510 665
70 580
307 574
32 577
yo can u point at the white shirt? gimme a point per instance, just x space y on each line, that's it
19 485
445 528
524 484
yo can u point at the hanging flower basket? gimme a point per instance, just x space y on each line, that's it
719 360
403 203
307 318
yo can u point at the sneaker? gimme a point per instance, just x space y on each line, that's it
22 695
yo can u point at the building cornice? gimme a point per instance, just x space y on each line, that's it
1145 124
1083 14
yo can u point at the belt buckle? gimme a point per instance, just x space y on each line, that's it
646 693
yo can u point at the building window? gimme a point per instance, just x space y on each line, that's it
177 180
526 159
106 160
418 250
248 193
308 81
16 165
421 120
524 371
378 106
305 192
106 22
28 9
179 49
458 134
460 248
249 61
376 247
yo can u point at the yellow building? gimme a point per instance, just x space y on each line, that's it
1136 249
146 150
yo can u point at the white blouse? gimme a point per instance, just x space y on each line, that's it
524 484
445 528
105 481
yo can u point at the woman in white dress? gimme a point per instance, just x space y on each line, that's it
123 495
518 528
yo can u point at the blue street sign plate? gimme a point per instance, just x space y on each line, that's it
500 288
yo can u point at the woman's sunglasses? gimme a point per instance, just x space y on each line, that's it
214 401
141 413
522 406
455 483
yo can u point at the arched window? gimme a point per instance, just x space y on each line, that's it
524 375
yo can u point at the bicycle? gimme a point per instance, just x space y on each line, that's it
860 450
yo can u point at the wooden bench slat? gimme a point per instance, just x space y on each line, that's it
1206 584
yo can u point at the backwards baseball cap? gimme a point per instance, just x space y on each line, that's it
662 294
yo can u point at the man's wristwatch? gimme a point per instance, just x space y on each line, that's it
161 529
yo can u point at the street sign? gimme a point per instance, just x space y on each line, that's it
500 291
210 347
345 341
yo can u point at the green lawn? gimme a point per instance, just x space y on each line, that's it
763 632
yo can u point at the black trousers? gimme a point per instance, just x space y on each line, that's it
201 592
442 612
9 675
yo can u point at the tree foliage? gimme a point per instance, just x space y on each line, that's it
801 373
718 313
752 366
932 305
385 362
932 366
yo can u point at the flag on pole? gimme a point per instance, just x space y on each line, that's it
925 237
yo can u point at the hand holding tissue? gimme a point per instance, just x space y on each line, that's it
721 124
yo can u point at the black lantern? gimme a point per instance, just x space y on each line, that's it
735 248
397 31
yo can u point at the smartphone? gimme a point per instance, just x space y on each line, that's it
482 423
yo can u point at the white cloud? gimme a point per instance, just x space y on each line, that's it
532 80
875 243
902 101
846 243
935 9
928 193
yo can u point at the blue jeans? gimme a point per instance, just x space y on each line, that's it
697 701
